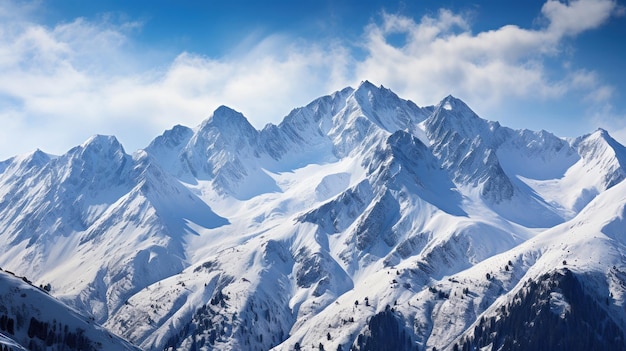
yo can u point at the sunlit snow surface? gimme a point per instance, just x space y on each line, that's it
268 238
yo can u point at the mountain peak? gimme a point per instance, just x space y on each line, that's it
227 120
368 87
452 114
37 156
595 145
171 138
384 108
102 143
599 135
451 103
98 159
224 114
366 84
101 138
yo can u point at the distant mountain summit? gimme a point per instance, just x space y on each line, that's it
360 222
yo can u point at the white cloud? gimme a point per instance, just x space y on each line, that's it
64 83
264 84
73 79
442 56
576 16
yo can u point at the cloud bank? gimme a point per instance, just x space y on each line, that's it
62 84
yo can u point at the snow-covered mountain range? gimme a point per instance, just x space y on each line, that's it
360 220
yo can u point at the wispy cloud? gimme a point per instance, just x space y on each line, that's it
63 83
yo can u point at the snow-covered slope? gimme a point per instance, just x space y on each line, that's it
360 220
30 319
96 222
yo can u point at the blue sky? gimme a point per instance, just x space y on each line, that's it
73 68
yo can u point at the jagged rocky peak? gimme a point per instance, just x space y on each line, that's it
451 103
452 115
466 144
226 130
100 156
229 122
317 113
368 91
596 144
36 157
457 109
538 143
328 105
165 150
225 148
338 121
23 163
101 144
600 151
172 138
386 109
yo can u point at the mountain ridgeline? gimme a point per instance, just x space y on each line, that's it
360 222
